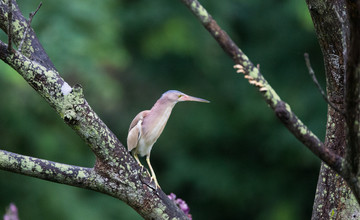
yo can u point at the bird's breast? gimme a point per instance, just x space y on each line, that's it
152 127
157 124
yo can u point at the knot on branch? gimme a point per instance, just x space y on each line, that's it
282 111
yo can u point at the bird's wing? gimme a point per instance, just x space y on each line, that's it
135 130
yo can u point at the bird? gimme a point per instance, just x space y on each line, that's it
148 125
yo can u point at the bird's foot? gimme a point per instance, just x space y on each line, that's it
144 170
138 161
153 176
156 182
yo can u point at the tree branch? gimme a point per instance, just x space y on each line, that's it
133 187
252 73
69 103
22 31
44 169
115 172
31 16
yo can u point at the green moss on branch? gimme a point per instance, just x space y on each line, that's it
44 169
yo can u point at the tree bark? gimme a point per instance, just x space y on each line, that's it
333 199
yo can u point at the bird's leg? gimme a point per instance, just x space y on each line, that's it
153 176
138 161
135 154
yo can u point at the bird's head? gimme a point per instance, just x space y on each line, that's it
177 96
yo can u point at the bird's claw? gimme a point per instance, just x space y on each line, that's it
156 182
143 169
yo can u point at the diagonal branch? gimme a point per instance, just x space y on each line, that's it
252 73
114 165
115 173
69 104
44 169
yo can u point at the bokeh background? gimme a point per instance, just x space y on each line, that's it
230 159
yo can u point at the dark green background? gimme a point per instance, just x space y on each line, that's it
230 159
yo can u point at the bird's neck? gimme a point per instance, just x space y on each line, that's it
163 107
160 114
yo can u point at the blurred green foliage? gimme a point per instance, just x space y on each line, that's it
230 159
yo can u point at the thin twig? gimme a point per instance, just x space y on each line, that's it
31 15
312 74
10 25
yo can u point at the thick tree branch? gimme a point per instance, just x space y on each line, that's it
115 173
111 182
252 73
44 169
69 103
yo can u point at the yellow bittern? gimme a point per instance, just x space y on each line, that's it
147 126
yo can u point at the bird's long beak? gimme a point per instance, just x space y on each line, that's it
192 98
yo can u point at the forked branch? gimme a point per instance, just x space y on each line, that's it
115 172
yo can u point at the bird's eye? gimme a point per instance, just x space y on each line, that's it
179 96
